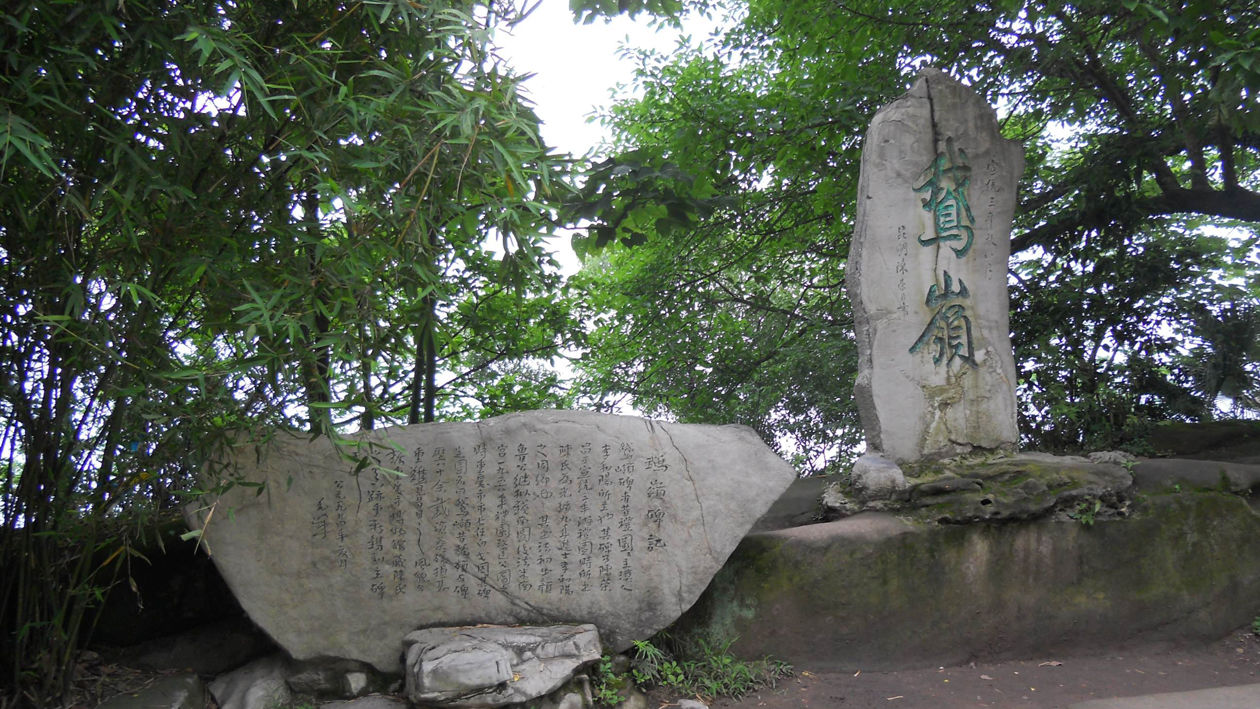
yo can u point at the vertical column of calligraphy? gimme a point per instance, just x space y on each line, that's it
992 188
463 522
395 525
439 518
585 526
543 520
339 523
502 517
903 253
625 521
319 521
656 514
419 479
376 534
481 539
521 499
604 517
564 491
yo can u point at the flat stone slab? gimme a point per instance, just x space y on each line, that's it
876 593
532 518
258 685
492 666
1238 697
1162 474
995 488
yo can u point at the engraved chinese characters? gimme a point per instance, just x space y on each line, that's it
927 276
516 517
530 518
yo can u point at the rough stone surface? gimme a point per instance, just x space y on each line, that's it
1185 568
1237 441
877 477
1246 696
799 505
375 701
492 666
634 700
331 677
208 650
258 685
996 488
927 275
174 692
574 694
572 700
1160 474
531 518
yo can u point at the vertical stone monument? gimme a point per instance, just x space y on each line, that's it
927 276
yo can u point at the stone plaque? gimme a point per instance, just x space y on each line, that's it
927 275
538 517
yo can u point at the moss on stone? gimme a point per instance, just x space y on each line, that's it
1187 567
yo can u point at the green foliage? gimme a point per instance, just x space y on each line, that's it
608 688
705 670
1135 232
718 290
587 11
1086 512
221 217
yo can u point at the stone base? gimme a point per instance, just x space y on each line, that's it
985 488
491 666
874 592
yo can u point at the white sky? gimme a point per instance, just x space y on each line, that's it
576 66
575 69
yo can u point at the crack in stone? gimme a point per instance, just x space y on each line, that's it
704 526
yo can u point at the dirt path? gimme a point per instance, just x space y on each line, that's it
1045 683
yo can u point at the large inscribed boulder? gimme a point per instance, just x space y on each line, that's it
532 518
927 275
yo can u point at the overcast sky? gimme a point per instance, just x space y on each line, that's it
577 66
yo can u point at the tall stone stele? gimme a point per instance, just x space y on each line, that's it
927 276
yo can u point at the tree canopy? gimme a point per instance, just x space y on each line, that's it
218 217
723 216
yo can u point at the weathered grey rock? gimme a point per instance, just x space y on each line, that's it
491 666
574 694
332 677
184 691
998 488
1165 474
798 505
876 477
927 276
258 685
1113 457
573 700
375 701
635 699
1186 568
538 517
1235 441
691 704
208 650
